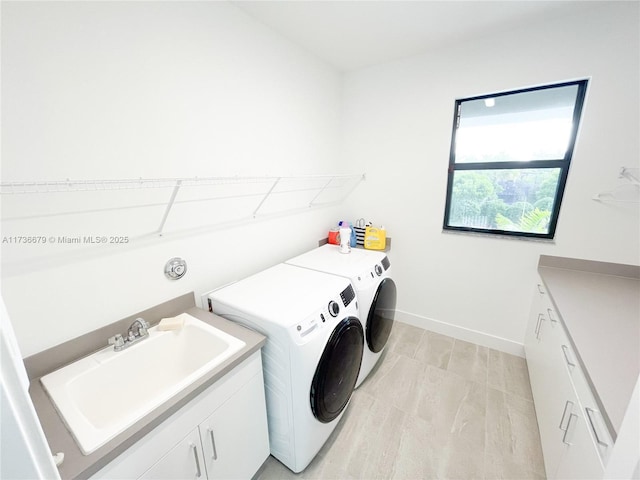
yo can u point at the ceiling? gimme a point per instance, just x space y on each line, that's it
351 34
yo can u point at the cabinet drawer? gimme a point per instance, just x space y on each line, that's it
593 417
546 306
578 459
574 439
590 410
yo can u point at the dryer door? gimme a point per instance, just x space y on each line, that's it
337 371
381 314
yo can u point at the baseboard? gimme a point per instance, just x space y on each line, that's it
461 333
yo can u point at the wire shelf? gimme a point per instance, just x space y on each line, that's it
319 187
59 186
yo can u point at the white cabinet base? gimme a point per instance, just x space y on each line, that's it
233 408
184 461
233 437
561 397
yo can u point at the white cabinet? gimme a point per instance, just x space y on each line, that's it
183 461
228 444
567 418
221 434
578 461
549 383
233 437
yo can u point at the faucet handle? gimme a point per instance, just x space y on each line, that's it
143 325
116 341
137 329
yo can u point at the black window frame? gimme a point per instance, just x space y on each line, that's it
563 163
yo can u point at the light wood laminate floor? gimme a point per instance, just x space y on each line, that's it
433 408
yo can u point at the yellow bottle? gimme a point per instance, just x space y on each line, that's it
375 238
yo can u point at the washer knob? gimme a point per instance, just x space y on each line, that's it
378 270
334 308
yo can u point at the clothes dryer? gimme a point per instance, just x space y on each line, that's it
370 273
312 356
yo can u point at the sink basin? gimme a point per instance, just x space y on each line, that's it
101 395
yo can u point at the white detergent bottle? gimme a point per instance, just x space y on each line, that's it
345 238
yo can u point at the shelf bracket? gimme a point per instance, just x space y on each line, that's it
326 185
264 199
169 206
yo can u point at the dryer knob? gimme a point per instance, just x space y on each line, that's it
334 308
378 270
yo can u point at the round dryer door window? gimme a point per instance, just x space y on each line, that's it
381 314
337 371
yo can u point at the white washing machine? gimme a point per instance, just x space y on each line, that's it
370 273
312 356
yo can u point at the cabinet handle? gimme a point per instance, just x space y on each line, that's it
566 356
549 311
539 325
564 437
593 427
540 289
195 456
564 413
213 444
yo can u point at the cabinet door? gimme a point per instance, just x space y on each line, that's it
556 403
234 438
182 462
537 362
548 381
580 459
566 444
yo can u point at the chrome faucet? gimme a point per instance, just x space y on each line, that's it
137 331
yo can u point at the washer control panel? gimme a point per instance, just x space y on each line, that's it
308 326
325 317
347 295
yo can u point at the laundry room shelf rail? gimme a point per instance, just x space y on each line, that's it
259 195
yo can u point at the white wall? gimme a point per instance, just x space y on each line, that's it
397 128
112 90
161 89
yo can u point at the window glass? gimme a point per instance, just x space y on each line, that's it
509 159
516 127
514 200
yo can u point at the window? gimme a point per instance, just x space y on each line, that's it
509 160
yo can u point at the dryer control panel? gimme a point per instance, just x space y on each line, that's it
365 279
386 263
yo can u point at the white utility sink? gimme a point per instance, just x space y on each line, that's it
101 395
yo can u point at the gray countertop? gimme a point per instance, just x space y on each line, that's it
77 465
599 304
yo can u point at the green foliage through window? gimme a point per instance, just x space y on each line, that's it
501 199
